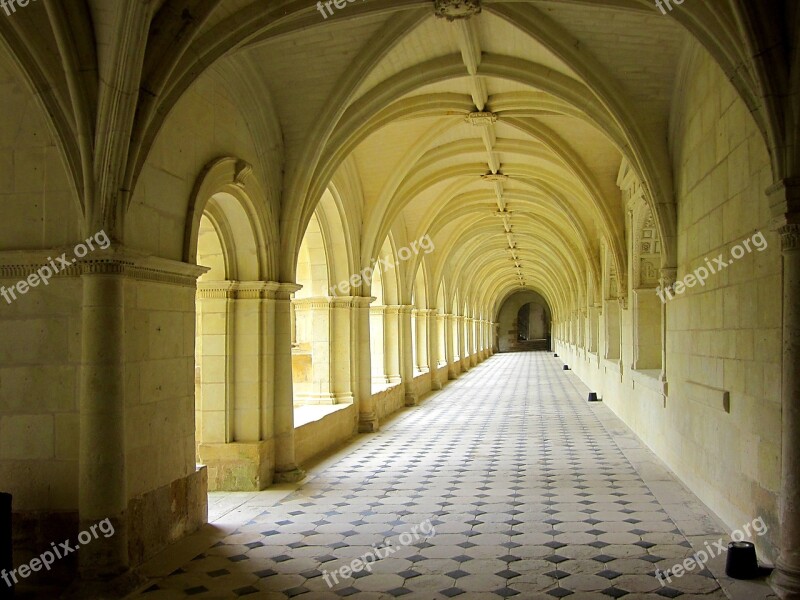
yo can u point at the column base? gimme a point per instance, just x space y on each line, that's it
368 424
785 580
411 399
237 466
436 384
294 475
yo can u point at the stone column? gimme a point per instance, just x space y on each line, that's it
450 350
785 201
102 490
432 322
462 343
367 416
392 334
376 329
286 468
421 326
407 354
667 280
471 339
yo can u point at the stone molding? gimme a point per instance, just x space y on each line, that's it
242 290
119 262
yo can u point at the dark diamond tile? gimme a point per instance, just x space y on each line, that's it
669 592
195 590
409 574
556 559
238 558
457 573
326 558
452 592
614 592
507 574
397 592
560 593
249 589
603 558
609 574
509 558
218 573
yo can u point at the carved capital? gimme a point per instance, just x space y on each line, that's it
790 237
784 202
668 278
456 9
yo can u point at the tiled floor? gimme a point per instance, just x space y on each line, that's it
532 492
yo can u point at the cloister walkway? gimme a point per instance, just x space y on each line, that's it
530 491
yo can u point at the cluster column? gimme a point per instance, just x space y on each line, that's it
367 416
286 469
407 354
432 346
102 492
785 201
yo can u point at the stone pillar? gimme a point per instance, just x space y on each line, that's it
376 332
432 322
406 352
421 331
473 349
667 280
785 201
286 468
391 344
450 350
462 343
102 490
367 416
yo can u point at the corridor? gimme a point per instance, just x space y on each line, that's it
531 492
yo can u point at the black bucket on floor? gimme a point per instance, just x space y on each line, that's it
593 397
741 562
566 367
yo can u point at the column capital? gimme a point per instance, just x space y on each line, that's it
322 302
668 277
398 309
363 301
790 237
784 202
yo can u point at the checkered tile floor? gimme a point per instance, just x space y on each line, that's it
529 494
